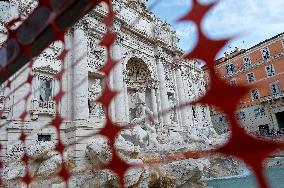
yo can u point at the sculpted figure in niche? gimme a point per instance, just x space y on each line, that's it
95 109
143 133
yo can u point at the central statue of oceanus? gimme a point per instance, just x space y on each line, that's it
143 133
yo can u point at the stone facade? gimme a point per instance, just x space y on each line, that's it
260 67
147 79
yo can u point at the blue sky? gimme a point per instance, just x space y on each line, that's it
252 20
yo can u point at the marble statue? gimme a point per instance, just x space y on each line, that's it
143 132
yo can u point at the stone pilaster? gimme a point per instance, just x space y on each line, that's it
80 76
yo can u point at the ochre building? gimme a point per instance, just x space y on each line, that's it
262 110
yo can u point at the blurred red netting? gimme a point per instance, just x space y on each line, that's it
54 25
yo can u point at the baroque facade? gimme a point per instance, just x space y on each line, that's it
260 67
147 79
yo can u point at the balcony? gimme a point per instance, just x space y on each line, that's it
271 98
42 107
4 107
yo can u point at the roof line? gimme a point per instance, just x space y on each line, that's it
244 51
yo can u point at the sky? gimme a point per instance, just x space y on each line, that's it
248 21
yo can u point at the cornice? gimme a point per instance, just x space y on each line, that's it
247 52
100 14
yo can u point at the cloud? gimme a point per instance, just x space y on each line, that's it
255 20
184 31
170 3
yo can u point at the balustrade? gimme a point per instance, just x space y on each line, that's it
42 107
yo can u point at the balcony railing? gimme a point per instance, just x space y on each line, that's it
271 98
42 107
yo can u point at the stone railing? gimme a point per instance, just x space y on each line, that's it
42 107
4 107
271 98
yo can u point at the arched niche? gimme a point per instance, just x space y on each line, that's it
139 84
138 74
150 63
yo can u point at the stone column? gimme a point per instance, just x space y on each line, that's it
163 92
75 101
159 106
181 97
199 107
126 106
80 76
177 101
206 108
189 97
154 103
118 85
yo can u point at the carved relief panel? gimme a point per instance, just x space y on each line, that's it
96 55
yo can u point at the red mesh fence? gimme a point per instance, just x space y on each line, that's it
49 22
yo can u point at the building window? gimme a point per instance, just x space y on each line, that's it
255 94
270 71
230 68
275 88
265 53
241 115
250 77
44 137
247 62
259 112
45 88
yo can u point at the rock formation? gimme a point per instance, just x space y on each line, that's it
140 145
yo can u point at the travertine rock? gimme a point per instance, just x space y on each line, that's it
178 173
46 163
98 151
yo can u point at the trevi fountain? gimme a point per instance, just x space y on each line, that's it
148 82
